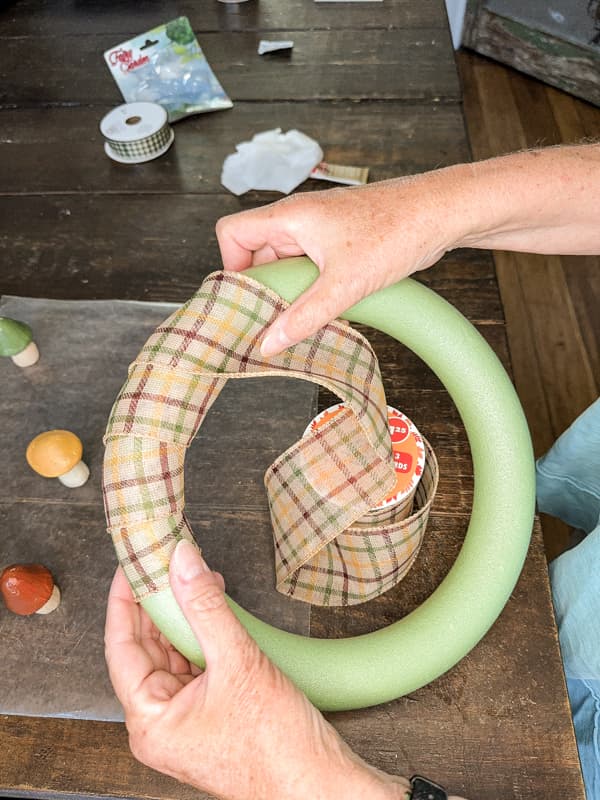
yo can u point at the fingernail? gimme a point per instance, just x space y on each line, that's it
274 342
187 561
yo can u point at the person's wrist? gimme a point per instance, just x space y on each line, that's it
464 205
502 202
361 780
445 209
373 787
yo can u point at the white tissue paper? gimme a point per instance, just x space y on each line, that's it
266 46
272 161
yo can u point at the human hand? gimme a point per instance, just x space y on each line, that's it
361 239
367 237
240 730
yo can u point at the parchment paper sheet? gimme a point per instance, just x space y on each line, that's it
54 665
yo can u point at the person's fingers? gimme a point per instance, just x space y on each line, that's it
121 597
240 236
200 595
128 663
322 302
178 664
185 678
234 254
264 255
220 579
258 236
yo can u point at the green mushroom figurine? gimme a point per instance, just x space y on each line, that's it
16 341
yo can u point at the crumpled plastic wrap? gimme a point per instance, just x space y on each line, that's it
271 161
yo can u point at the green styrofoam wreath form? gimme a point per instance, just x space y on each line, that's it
361 671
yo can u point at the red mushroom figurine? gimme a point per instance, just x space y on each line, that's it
29 589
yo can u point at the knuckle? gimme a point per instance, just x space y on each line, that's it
302 322
250 658
250 666
290 200
222 225
311 315
292 208
207 597
244 670
226 218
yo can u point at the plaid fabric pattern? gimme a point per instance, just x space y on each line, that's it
318 489
366 559
142 147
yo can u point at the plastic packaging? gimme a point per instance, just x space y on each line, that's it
166 65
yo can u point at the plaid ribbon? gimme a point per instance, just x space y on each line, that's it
319 490
147 146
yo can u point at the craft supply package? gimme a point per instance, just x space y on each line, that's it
166 65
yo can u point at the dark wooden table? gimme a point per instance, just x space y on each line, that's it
376 85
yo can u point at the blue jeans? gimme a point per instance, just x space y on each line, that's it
568 487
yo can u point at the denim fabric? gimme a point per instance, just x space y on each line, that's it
568 476
568 487
584 697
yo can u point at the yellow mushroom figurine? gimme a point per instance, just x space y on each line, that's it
57 454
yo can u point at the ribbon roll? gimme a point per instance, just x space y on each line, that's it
320 489
136 132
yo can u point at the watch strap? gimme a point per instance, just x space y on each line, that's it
424 789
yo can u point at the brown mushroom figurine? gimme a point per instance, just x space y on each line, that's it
57 454
29 589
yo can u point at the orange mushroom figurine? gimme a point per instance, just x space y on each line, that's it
57 454
29 589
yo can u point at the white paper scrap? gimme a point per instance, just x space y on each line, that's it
272 161
265 46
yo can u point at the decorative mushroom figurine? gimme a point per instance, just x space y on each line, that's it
17 342
57 454
29 589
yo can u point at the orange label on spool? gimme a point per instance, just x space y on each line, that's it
407 448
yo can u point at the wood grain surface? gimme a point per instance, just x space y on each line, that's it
38 17
324 65
380 135
376 84
551 303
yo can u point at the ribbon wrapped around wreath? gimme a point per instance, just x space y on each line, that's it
327 552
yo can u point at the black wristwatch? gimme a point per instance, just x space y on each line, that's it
424 789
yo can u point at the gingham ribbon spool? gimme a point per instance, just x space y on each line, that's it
320 490
136 132
142 147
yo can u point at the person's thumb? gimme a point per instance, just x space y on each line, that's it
200 595
322 302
